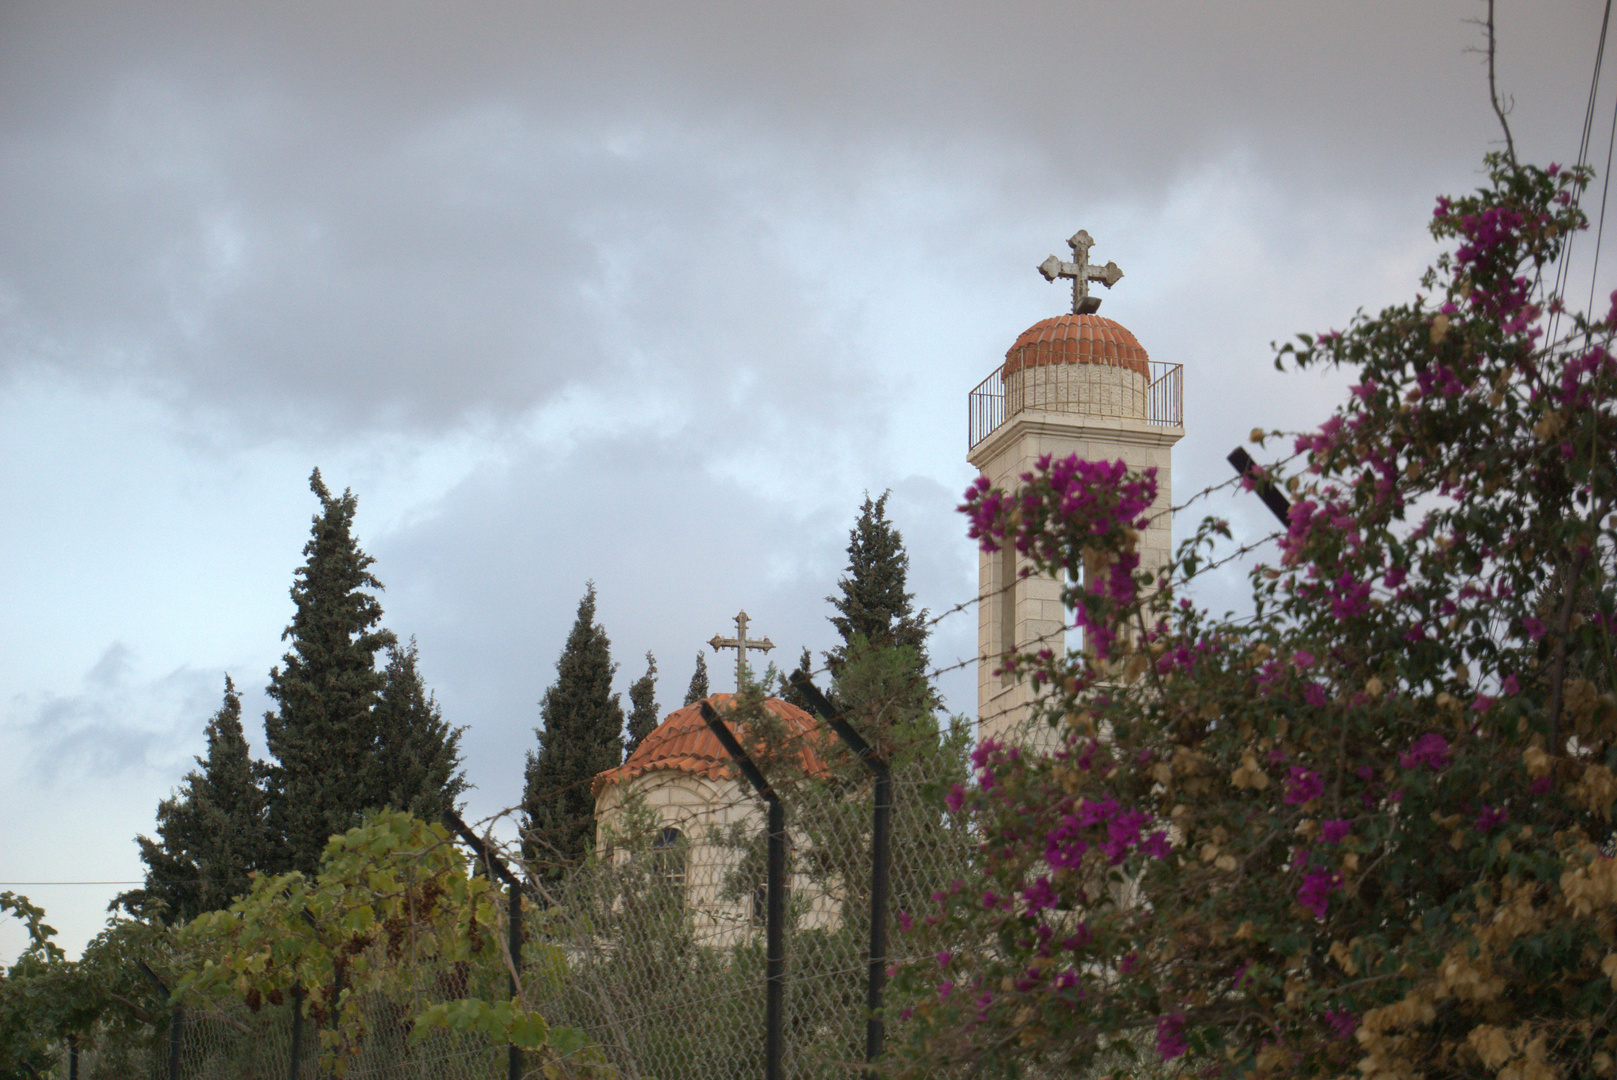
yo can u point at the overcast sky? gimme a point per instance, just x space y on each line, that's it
644 293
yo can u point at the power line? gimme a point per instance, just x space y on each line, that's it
21 884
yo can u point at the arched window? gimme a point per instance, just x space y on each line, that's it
668 855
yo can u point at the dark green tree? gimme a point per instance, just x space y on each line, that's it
416 767
698 688
643 716
787 692
211 833
874 609
323 733
582 735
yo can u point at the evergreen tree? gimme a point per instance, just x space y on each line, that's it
323 734
582 735
789 693
698 688
416 767
873 607
211 832
643 706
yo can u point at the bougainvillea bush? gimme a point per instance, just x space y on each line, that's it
1365 829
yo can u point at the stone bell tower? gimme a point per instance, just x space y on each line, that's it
1074 384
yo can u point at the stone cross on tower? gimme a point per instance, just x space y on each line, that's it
1081 273
740 643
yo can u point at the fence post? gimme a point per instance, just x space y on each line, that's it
880 858
72 1057
175 1023
297 1031
774 901
497 866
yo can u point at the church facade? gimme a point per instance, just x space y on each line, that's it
1073 384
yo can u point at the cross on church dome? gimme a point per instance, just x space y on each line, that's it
1081 273
740 643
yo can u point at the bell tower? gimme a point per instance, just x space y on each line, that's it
1075 384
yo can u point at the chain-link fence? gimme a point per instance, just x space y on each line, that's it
655 948
663 936
235 1043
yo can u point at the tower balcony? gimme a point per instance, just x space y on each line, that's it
1143 390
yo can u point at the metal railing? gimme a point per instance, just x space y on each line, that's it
1072 388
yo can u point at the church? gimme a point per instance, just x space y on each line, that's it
1076 383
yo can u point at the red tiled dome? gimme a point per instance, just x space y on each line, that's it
1077 339
684 743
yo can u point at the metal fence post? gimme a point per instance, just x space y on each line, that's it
175 1022
497 867
297 1031
1277 503
775 898
880 858
72 1057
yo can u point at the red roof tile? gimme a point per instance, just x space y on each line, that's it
684 743
1077 339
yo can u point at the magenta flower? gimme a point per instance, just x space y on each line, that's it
1490 818
1303 658
1171 1036
1431 750
1343 1023
1315 894
1156 845
1040 895
1336 830
1303 786
905 922
1510 687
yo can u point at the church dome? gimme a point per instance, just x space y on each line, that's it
684 743
1077 339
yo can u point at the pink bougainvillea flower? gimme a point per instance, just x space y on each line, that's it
1342 1021
1303 786
1336 830
1490 818
1315 894
1430 750
1171 1036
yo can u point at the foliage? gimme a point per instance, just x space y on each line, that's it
787 691
324 731
46 999
416 763
1364 827
873 606
643 718
394 914
582 736
698 688
212 833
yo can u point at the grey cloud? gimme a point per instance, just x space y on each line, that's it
116 724
368 215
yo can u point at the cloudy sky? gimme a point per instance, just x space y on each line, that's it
648 294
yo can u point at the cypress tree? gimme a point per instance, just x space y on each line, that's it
416 767
643 706
787 692
874 607
323 734
211 832
582 735
698 688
